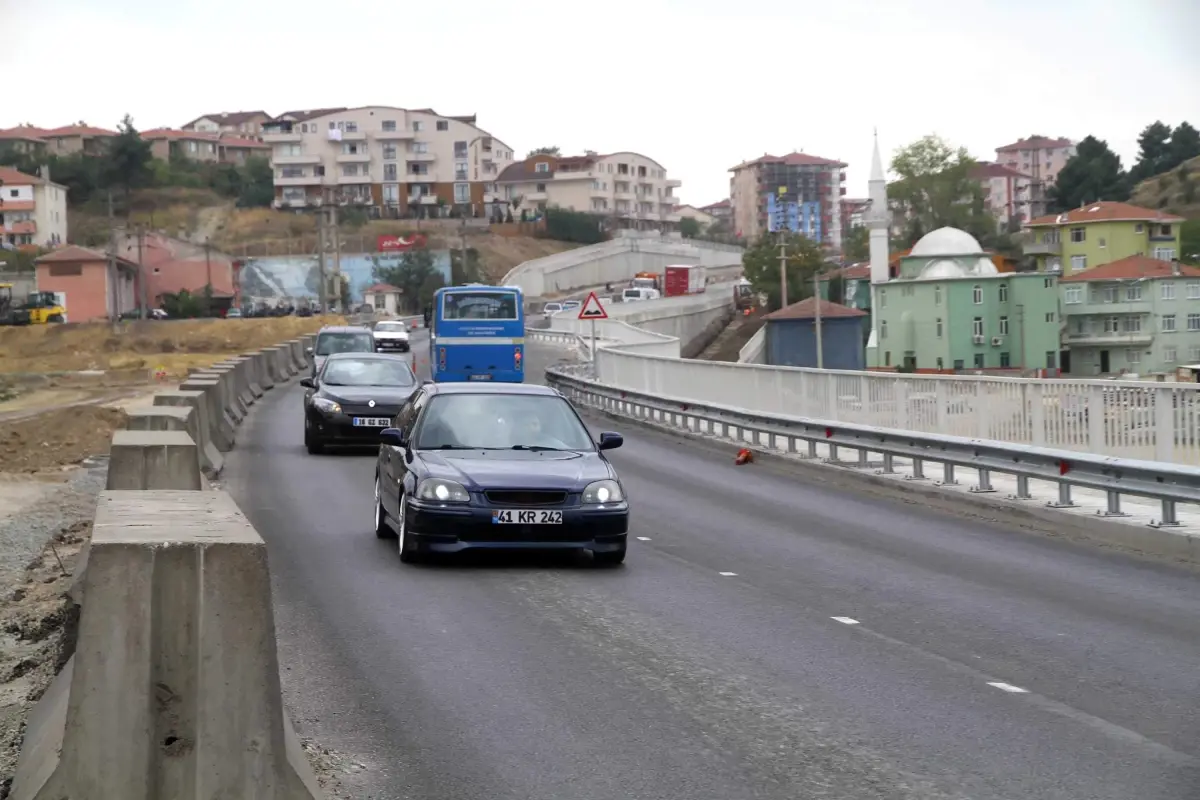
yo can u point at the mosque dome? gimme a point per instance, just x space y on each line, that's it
946 242
943 268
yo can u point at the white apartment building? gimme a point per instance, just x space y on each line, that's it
1007 193
238 123
1040 158
632 189
33 210
397 162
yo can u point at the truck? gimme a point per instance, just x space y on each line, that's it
681 279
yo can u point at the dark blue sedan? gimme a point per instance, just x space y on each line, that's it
497 466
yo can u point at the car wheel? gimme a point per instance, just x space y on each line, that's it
311 443
382 529
408 552
610 558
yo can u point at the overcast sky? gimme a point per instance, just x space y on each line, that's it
698 85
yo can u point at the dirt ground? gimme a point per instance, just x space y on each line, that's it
57 438
144 345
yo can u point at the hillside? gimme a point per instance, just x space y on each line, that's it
199 214
1177 191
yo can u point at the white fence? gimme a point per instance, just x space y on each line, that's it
1142 420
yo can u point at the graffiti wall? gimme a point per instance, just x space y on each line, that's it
277 277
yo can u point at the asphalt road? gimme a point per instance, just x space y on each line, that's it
714 665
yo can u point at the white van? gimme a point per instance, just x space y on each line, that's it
635 293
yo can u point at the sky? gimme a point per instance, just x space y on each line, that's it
697 85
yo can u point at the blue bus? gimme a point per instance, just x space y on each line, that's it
477 334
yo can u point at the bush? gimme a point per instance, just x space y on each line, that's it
573 226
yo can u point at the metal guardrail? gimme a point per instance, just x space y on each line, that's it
1168 483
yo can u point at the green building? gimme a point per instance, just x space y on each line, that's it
950 309
856 289
1138 315
1100 233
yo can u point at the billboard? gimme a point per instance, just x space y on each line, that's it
802 218
398 244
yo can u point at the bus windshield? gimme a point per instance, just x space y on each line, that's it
483 305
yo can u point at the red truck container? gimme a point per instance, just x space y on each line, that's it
681 279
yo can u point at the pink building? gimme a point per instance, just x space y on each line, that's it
1041 158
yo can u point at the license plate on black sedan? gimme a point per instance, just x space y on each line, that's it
371 422
512 516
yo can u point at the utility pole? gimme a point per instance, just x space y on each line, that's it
208 286
112 284
817 320
337 258
145 291
322 283
783 294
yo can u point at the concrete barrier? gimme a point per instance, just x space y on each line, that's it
173 690
299 359
168 418
211 459
153 459
220 433
262 370
281 356
239 392
225 390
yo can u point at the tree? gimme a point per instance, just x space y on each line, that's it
836 288
1093 173
760 264
411 274
936 189
1185 144
544 151
1154 152
1189 252
258 184
469 270
129 158
689 227
856 244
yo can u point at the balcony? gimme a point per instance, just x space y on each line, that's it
344 180
1110 339
301 201
302 159
393 136
281 137
348 136
672 183
1035 245
353 158
420 158
298 180
535 197
460 177
16 205
1162 237
20 227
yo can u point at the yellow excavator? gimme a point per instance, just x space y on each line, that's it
39 308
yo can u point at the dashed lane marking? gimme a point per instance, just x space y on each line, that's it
727 574
1008 687
643 538
845 620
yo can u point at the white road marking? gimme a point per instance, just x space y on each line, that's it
643 538
727 574
845 620
1008 687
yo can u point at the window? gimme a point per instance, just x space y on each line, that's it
1004 326
883 298
1139 228
1133 292
883 329
1110 294
1102 242
1073 295
541 166
959 364
350 170
1078 263
353 149
1051 359
1078 234
462 192
1132 324
443 125
977 295
351 127
1170 355
1133 356
1004 293
389 151
1193 290
1112 324
388 125
1193 322
391 194
1194 354
291 172
417 169
1164 230
1168 290
490 305
977 326
418 147
937 295
418 126
460 170
541 187
1164 253
368 372
1004 360
979 361
939 328
288 150
389 172
1168 323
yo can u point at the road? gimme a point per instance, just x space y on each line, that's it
714 665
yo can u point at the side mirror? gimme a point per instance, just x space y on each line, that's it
393 436
308 383
308 350
611 441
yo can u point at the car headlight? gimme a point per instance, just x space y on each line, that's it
602 492
326 405
442 491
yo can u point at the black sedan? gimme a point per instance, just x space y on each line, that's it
501 466
353 398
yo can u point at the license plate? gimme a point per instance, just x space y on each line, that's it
520 517
371 422
480 378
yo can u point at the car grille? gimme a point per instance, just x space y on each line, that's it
525 497
391 344
366 411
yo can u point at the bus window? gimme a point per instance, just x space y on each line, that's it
479 305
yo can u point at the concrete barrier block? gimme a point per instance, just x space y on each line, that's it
170 418
255 381
262 369
285 358
220 432
211 460
271 354
162 459
228 390
242 381
236 374
173 690
298 358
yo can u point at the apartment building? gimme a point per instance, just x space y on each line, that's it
721 212
171 145
397 161
632 189
78 138
1041 158
1007 193
1136 315
854 212
794 178
1100 233
242 124
33 209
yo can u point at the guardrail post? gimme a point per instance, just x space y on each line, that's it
1064 497
918 471
948 478
1113 504
1022 489
985 482
864 458
1169 519
889 465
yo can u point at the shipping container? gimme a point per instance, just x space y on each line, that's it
681 279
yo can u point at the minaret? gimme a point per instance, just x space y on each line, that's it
878 218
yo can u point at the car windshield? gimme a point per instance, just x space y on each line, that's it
330 343
391 327
367 372
480 305
501 422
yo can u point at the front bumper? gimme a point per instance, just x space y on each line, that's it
339 429
435 528
392 345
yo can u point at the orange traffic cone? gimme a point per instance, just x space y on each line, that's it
744 456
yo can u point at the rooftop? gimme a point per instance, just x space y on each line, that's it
1105 211
1034 142
14 177
807 309
988 169
1133 268
791 160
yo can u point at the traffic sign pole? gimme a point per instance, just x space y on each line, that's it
592 310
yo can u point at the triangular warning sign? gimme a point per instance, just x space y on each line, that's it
591 308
